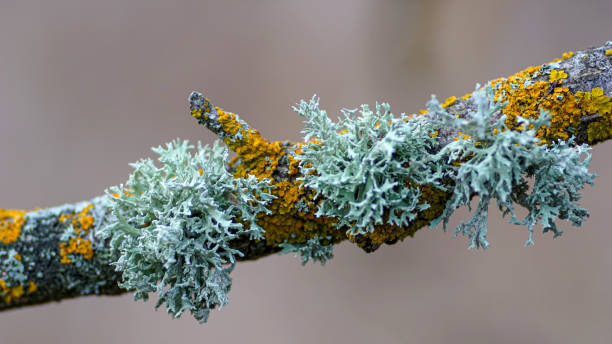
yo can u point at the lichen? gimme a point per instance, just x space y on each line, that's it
316 249
538 88
291 223
80 224
381 177
557 76
449 101
497 163
259 157
174 231
256 155
596 102
35 266
11 221
363 167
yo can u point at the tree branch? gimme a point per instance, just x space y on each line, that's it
53 254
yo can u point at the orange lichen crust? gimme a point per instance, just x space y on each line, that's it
288 224
197 113
81 223
595 102
256 155
525 97
10 294
10 225
557 75
449 101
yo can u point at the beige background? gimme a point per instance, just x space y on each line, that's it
88 86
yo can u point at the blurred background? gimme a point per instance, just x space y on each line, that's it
87 87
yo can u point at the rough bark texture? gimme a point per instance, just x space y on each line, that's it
53 254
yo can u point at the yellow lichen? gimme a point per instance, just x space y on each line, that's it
286 223
565 112
10 225
257 156
294 164
526 98
461 136
32 287
196 113
116 195
557 75
596 102
566 55
10 294
81 223
608 52
449 101
75 245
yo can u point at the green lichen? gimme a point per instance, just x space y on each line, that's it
368 167
498 163
176 222
316 249
363 164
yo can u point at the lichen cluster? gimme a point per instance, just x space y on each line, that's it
497 163
365 166
371 169
292 220
176 223
316 249
542 88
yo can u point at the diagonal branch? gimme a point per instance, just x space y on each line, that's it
53 254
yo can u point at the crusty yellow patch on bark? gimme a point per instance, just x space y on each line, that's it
449 101
11 221
557 75
12 293
82 222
